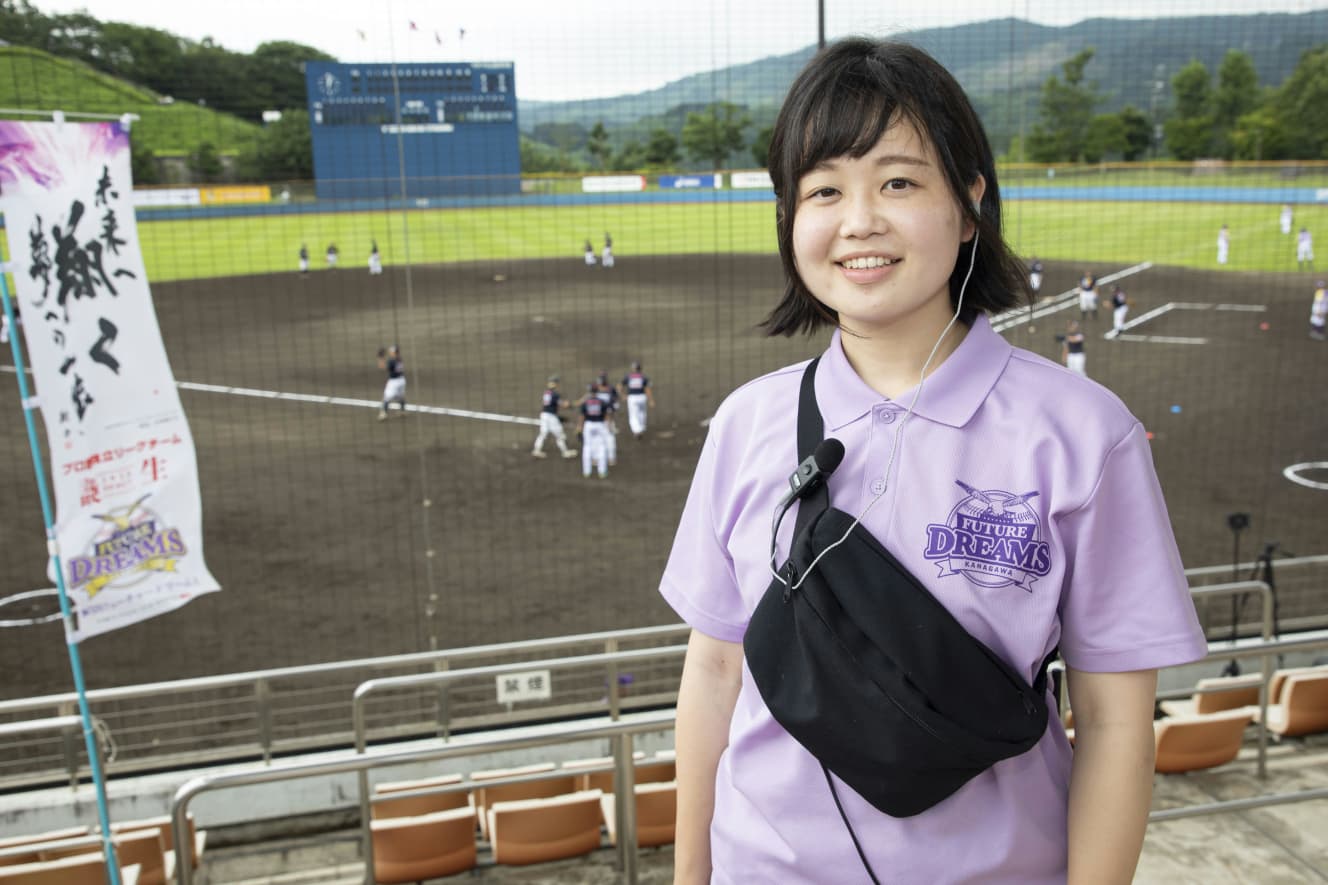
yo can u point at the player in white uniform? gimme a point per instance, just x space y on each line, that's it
395 389
550 423
1035 277
375 260
1120 308
1319 311
1304 249
304 258
332 255
1072 349
590 254
594 435
636 389
1285 219
1223 245
4 322
1088 295
606 258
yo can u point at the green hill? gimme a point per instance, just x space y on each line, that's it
34 80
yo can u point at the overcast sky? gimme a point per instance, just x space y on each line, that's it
592 48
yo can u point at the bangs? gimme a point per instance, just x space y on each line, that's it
847 118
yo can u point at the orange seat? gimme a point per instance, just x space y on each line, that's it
81 869
656 813
409 849
1203 740
656 769
414 806
143 848
1303 705
197 838
539 830
483 797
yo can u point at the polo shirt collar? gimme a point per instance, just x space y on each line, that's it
951 394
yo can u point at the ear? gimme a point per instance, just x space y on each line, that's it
976 190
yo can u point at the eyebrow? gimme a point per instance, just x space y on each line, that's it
883 160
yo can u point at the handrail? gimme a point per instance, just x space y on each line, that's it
54 723
416 680
637 723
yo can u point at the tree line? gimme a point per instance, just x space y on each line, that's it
1228 117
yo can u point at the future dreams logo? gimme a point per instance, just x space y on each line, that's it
992 538
129 548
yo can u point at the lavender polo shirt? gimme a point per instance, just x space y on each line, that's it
1024 498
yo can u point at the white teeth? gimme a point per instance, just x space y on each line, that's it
868 263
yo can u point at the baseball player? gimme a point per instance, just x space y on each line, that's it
395 389
4 321
594 435
1223 245
606 259
609 394
551 424
375 260
1304 249
1120 308
1319 311
1072 349
1285 218
590 254
304 258
636 389
1035 276
1088 295
332 255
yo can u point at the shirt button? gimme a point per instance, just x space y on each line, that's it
887 416
877 486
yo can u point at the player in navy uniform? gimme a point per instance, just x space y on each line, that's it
1120 308
333 253
607 259
550 422
4 322
609 394
375 260
1035 277
636 389
304 258
395 389
1072 349
594 445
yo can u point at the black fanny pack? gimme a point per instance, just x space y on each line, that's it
871 674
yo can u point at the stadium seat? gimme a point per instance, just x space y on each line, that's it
414 806
1217 694
656 812
655 769
538 830
409 849
1302 707
164 824
143 848
483 797
81 869
1203 740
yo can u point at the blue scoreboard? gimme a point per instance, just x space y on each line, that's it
448 128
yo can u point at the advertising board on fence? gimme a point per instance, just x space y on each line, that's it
607 184
667 182
122 461
750 180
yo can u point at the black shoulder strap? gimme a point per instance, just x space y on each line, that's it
811 431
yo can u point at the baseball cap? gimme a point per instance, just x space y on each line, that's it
554 379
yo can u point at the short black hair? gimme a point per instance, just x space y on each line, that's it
841 104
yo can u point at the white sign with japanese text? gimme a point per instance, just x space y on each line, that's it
533 685
128 515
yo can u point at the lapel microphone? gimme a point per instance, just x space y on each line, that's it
814 470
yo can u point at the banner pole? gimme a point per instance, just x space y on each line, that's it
53 549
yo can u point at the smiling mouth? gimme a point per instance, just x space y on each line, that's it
868 263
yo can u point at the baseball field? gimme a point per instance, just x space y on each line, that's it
336 536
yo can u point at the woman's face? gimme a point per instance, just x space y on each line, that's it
876 238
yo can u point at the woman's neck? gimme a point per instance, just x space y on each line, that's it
891 362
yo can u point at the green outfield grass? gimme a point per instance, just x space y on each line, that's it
1182 234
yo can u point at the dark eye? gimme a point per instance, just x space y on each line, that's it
898 184
824 192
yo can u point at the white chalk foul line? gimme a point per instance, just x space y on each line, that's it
1063 301
1293 473
1167 308
354 403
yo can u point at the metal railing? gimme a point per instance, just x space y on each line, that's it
620 733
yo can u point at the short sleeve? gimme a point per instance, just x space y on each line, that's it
1126 603
699 581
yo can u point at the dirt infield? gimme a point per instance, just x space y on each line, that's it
337 536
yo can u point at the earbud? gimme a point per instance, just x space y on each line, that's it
977 208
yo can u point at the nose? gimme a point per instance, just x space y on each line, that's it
864 216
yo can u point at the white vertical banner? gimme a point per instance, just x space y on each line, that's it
122 463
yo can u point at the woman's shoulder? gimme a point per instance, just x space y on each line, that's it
760 403
1052 389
